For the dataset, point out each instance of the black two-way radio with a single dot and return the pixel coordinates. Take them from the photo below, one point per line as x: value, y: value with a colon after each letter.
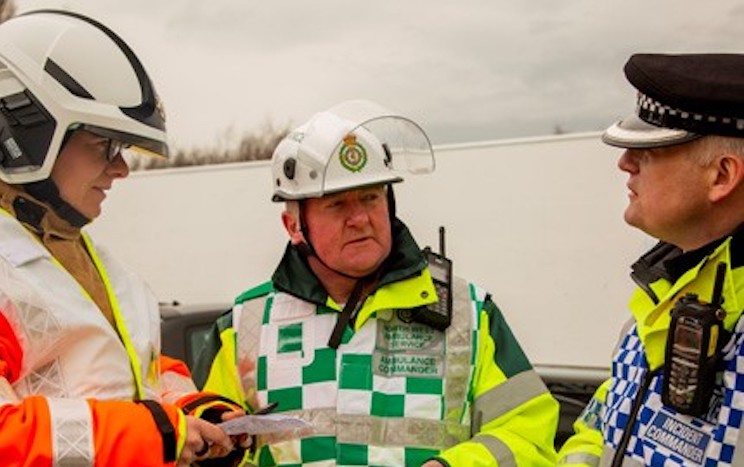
x: 438, y: 315
x: 696, y: 335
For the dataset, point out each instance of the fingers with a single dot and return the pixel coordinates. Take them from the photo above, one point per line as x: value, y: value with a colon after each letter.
x: 203, y: 440
x: 210, y: 450
x: 213, y: 450
x: 232, y: 414
x: 214, y: 436
x: 244, y: 440
x: 203, y: 451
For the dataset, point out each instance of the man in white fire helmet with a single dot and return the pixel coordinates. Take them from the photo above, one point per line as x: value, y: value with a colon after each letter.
x: 390, y: 359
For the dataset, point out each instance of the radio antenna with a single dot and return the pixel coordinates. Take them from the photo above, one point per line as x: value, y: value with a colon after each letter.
x: 441, y: 241
x: 718, y: 285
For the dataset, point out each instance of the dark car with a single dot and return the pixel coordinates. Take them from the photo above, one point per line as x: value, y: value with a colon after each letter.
x: 183, y: 328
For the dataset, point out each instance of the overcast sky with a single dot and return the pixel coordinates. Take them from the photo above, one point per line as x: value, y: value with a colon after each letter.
x: 466, y: 70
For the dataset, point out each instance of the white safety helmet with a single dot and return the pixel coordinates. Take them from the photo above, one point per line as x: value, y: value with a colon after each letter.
x: 61, y: 71
x: 352, y: 145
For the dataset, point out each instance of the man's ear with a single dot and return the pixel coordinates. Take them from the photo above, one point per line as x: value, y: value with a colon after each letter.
x: 292, y: 226
x: 728, y: 175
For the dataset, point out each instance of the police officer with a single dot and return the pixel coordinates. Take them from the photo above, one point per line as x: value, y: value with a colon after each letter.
x: 352, y: 334
x: 674, y: 396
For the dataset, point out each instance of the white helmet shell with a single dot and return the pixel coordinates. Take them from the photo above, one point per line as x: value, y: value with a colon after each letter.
x: 61, y: 71
x: 352, y: 145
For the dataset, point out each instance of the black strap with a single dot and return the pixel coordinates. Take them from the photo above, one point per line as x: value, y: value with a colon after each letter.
x: 167, y: 432
x: 205, y: 399
x: 29, y: 213
x: 343, y: 320
x: 46, y: 191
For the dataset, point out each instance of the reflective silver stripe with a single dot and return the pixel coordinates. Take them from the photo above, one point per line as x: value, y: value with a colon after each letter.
x: 580, y: 458
x: 459, y: 352
x: 512, y: 393
x: 72, y: 433
x: 249, y: 316
x: 399, y: 432
x: 498, y: 449
x: 365, y: 430
x: 174, y: 386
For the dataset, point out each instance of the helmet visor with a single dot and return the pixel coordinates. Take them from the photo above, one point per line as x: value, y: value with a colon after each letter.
x: 407, y: 148
x: 133, y: 144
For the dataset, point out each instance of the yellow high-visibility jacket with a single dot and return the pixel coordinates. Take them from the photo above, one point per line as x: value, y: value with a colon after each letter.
x: 627, y: 418
x: 395, y: 392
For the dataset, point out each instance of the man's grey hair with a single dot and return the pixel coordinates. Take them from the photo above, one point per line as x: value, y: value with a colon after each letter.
x: 292, y: 207
x: 713, y: 145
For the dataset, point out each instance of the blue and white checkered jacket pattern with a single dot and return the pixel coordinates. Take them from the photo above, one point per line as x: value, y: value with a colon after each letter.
x: 663, y: 437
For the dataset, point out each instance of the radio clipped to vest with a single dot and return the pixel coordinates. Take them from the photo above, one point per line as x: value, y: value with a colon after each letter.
x: 696, y: 335
x: 438, y: 315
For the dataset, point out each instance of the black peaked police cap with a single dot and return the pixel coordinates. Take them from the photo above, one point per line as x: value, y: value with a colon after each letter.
x: 681, y: 98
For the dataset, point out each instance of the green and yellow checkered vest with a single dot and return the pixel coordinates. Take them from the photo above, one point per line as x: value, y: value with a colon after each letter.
x: 393, y: 393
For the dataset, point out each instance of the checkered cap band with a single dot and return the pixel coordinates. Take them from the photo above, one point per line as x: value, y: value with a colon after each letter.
x: 656, y: 124
x: 662, y: 115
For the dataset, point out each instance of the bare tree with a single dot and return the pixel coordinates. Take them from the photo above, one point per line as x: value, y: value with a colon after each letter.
x: 250, y: 147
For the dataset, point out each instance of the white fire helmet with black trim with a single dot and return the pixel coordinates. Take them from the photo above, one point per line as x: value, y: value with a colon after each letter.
x: 352, y: 145
x: 61, y: 71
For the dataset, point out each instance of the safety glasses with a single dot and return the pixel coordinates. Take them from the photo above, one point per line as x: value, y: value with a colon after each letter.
x: 110, y: 147
x: 114, y: 147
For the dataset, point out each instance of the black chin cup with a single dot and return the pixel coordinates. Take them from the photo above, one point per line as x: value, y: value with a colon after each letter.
x: 46, y: 191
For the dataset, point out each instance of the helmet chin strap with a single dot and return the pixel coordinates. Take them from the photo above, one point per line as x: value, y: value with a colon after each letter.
x: 47, y: 191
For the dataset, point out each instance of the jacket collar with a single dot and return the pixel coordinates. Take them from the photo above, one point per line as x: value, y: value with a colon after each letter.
x: 666, y: 261
x: 36, y: 216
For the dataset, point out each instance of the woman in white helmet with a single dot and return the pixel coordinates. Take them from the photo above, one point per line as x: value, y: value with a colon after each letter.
x: 82, y: 381
x: 351, y: 333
